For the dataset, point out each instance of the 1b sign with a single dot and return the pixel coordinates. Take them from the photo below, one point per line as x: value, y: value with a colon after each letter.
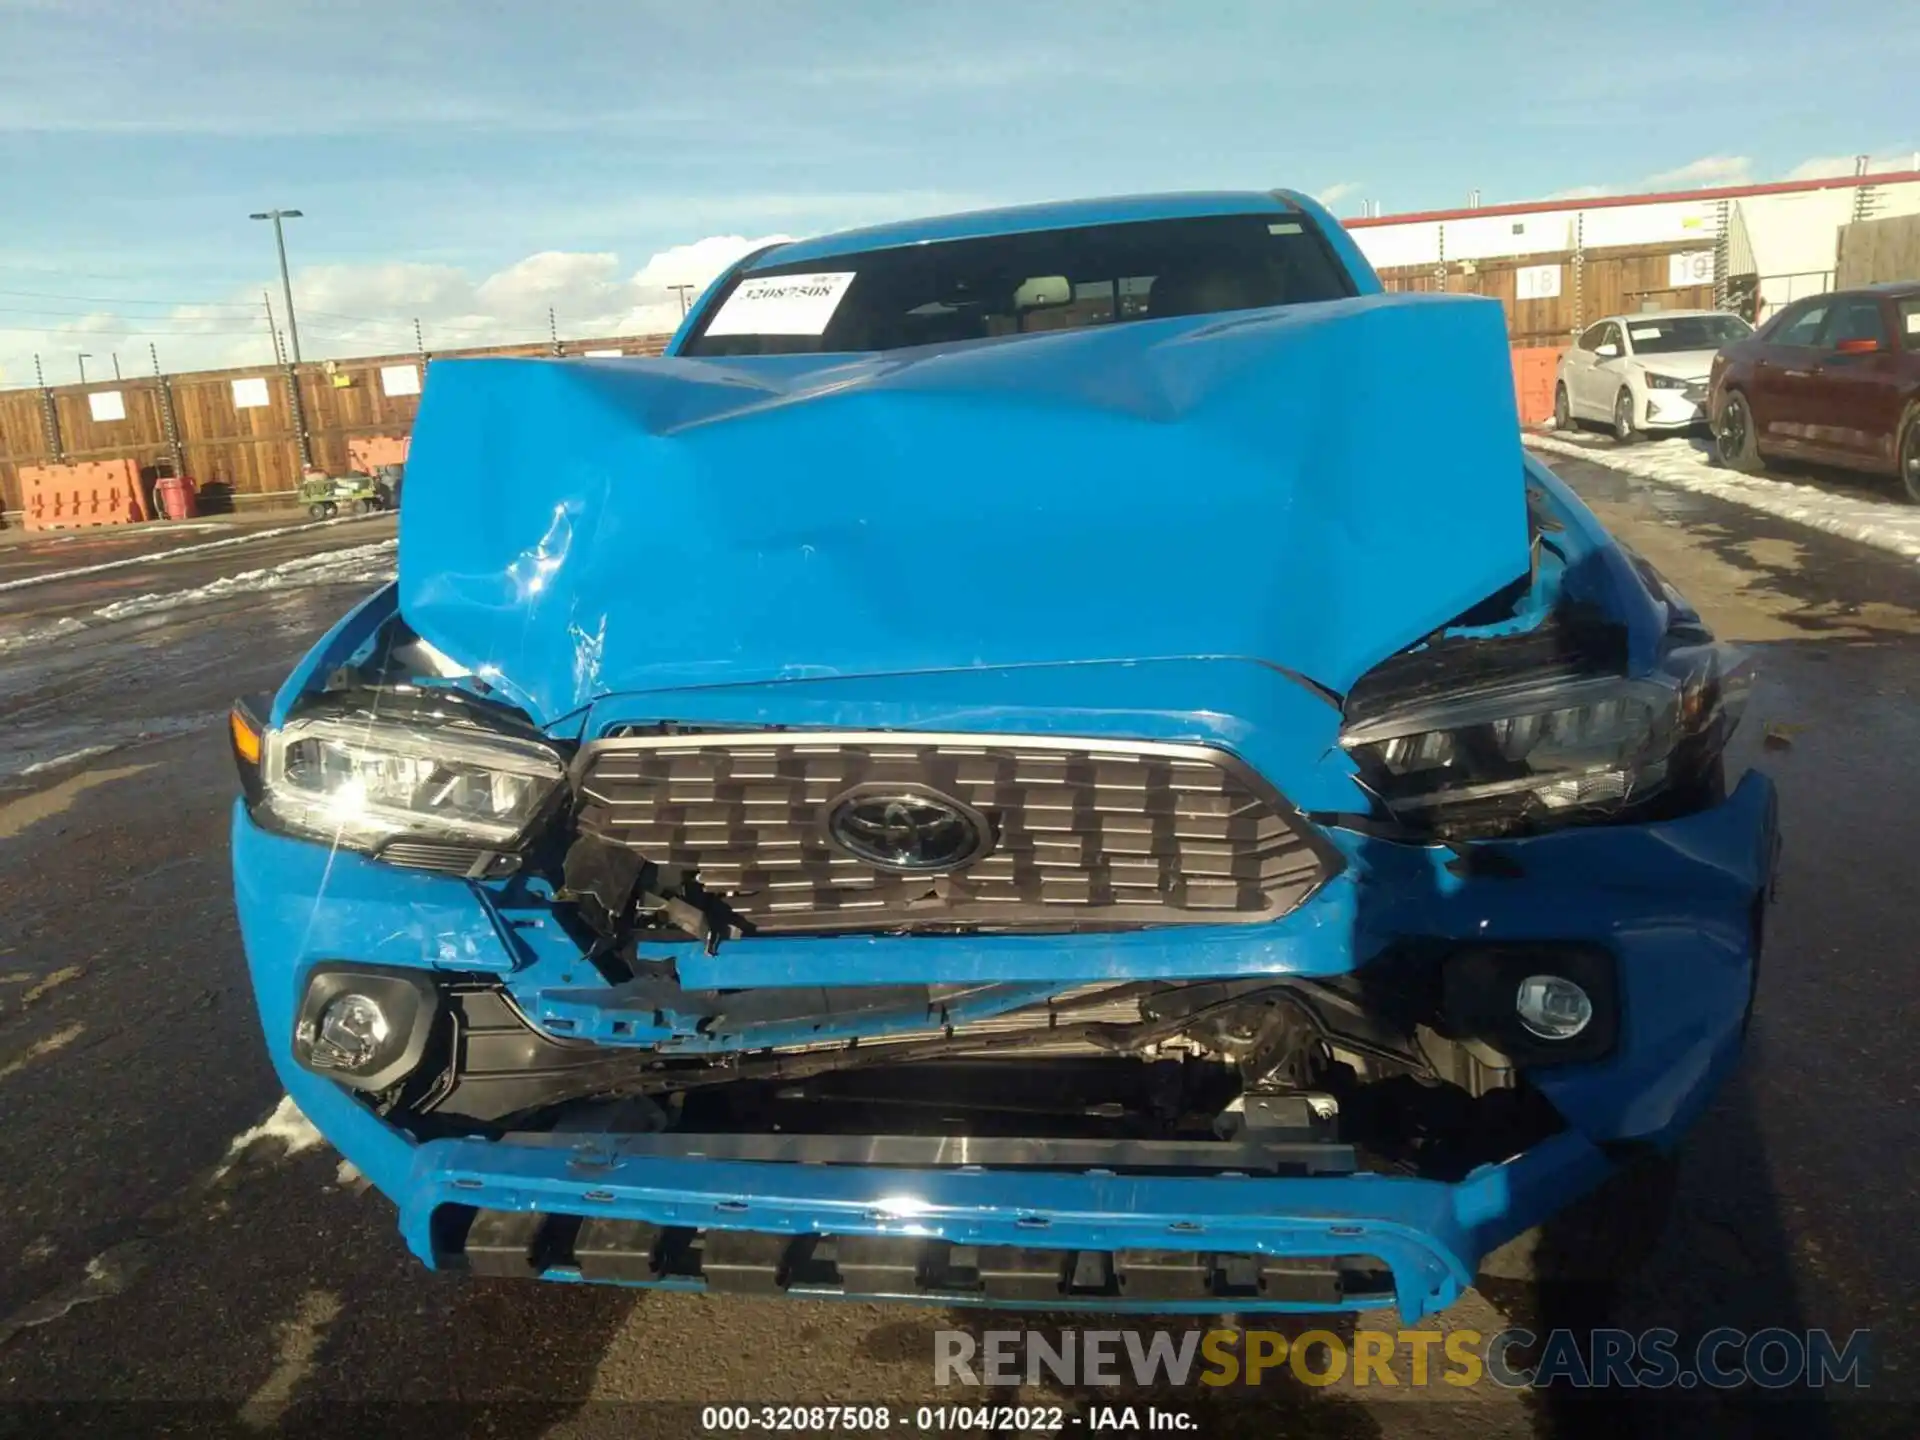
x: 1536, y: 282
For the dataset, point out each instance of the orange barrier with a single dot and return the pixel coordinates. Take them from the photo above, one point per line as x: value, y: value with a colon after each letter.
x: 1533, y: 378
x: 367, y: 453
x: 72, y: 497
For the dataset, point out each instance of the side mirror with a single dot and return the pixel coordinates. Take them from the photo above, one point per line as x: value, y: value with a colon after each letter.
x: 1608, y: 352
x: 1858, y: 347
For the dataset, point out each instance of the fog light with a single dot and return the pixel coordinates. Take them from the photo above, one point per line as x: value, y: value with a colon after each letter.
x: 365, y: 1028
x: 352, y: 1032
x: 1552, y: 1007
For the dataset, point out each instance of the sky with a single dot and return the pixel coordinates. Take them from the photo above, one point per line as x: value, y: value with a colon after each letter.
x: 472, y: 163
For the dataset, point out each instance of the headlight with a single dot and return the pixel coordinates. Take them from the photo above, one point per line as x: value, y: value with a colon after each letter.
x: 1664, y: 382
x: 363, y: 781
x: 1522, y: 755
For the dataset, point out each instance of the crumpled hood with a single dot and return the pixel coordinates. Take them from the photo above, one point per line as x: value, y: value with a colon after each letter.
x: 1315, y: 487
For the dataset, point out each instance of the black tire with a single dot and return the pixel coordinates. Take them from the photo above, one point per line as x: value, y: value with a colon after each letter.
x: 1909, y: 453
x: 1601, y: 1237
x: 317, y: 510
x: 1562, y: 409
x: 1733, y: 437
x: 330, y: 508
x: 1624, y: 431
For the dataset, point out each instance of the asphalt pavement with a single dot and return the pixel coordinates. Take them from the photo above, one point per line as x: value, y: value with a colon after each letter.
x: 176, y: 1254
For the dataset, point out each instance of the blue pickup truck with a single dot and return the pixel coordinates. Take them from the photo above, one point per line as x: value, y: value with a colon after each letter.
x: 994, y: 772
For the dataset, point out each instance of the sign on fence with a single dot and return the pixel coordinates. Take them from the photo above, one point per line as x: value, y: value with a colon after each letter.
x: 250, y: 393
x: 1689, y: 268
x: 107, y: 405
x: 400, y: 379
x: 1536, y: 282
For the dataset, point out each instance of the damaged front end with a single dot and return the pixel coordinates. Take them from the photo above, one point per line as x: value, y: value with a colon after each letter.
x: 1295, y: 968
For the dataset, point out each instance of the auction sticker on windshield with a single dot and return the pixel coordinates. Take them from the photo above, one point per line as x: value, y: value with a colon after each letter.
x: 782, y: 305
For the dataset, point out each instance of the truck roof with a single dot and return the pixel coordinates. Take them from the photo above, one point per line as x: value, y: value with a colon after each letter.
x: 1017, y: 219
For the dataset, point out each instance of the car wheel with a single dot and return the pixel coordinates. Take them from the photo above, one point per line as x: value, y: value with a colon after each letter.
x: 317, y: 510
x: 330, y: 509
x: 1733, y: 438
x: 1562, y: 409
x: 1602, y: 1236
x: 1910, y: 456
x: 1623, y: 427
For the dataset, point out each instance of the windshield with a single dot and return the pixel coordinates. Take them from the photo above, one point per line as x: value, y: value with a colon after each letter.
x: 1666, y: 335
x: 1023, y: 284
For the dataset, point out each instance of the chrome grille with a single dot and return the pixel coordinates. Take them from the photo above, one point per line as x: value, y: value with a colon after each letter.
x: 1086, y: 834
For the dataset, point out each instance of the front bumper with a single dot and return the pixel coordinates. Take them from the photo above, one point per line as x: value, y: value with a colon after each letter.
x: 1675, y: 409
x: 1678, y: 904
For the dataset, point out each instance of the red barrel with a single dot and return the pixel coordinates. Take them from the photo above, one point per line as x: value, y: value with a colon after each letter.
x: 174, y: 496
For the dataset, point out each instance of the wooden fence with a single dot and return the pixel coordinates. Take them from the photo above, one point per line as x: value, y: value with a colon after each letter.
x: 244, y: 434
x: 1872, y: 251
x: 1581, y: 288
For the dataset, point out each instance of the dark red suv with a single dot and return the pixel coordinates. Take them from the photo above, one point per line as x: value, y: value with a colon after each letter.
x: 1832, y: 378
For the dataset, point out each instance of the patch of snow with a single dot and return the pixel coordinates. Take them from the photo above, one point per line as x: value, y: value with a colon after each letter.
x: 334, y: 567
x: 360, y: 564
x: 151, y: 556
x: 65, y: 625
x: 286, y: 1124
x: 1891, y: 527
x: 72, y: 757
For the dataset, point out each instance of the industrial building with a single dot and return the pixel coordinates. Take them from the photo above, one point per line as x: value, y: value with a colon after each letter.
x: 1753, y: 247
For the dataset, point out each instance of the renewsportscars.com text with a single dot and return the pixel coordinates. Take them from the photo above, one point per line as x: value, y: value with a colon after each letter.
x: 1514, y: 1359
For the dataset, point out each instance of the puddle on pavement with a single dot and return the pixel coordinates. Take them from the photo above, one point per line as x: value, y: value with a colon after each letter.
x: 33, y: 755
x: 21, y: 815
x: 1737, y: 585
x: 1773, y: 554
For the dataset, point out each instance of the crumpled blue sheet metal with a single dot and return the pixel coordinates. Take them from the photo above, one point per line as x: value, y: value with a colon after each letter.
x: 1314, y: 487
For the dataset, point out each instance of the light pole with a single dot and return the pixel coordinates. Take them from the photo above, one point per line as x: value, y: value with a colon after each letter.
x: 83, y: 356
x: 286, y: 285
x: 681, y: 291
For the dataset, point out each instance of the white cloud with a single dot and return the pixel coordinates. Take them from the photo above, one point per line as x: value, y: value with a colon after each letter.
x: 579, y: 283
x: 1336, y: 192
x: 1822, y: 166
x: 1581, y: 192
x: 697, y: 263
x: 1708, y: 170
x: 346, y: 310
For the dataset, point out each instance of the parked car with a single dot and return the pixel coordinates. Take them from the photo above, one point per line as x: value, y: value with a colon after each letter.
x: 1643, y: 373
x: 988, y: 774
x: 1832, y: 378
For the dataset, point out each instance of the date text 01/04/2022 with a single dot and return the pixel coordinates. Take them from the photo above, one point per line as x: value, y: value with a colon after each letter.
x: 1022, y: 1419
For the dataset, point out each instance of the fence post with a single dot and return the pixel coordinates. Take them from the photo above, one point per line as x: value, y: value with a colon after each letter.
x: 1579, y: 270
x: 1722, y: 254
x: 301, y: 440
x: 169, y: 422
x: 49, y: 416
